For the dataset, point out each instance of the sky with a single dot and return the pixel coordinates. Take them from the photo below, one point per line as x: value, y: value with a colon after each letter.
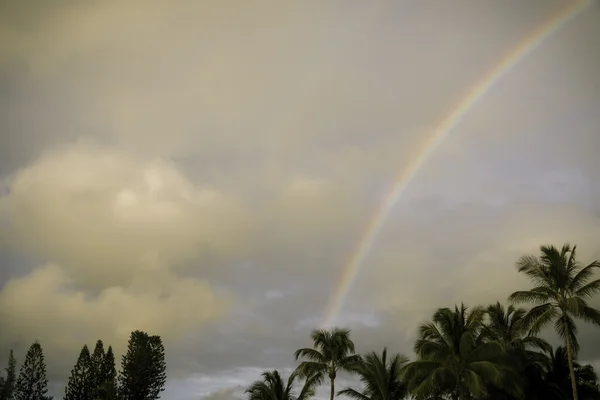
x: 204, y: 171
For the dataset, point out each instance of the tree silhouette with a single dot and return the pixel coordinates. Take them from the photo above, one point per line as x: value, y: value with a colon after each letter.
x: 143, y: 368
x: 96, y: 360
x: 32, y: 383
x: 560, y: 293
x: 505, y: 326
x: 332, y: 351
x: 80, y: 385
x: 8, y: 384
x: 272, y: 387
x: 107, y: 373
x: 453, y: 357
x: 585, y: 376
x: 381, y: 378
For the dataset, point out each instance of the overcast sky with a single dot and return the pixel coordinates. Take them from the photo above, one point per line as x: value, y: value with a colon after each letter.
x: 203, y: 170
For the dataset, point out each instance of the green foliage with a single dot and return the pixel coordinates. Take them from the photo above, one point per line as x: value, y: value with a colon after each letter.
x: 96, y: 360
x: 505, y: 326
x: 454, y: 357
x: 107, y: 372
x: 143, y: 368
x: 8, y: 383
x: 381, y: 378
x: 332, y: 351
x: 108, y: 391
x: 560, y: 293
x: 272, y: 387
x: 103, y: 373
x: 559, y: 374
x: 81, y: 384
x: 32, y: 383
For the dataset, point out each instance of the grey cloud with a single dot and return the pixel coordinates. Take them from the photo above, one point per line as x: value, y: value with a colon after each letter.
x: 225, y: 394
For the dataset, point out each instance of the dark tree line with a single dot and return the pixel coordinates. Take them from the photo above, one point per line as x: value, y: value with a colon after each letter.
x: 469, y: 353
x: 94, y: 376
x: 8, y: 382
x: 489, y: 352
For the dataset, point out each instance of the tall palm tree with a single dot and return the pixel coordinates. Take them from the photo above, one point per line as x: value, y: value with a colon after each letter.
x: 272, y: 387
x: 453, y: 358
x: 332, y: 351
x: 560, y: 293
x: 380, y: 377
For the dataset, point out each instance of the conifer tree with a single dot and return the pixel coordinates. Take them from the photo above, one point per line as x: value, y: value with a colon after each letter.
x: 32, y: 383
x: 8, y: 386
x: 108, y: 391
x: 108, y: 372
x: 79, y: 386
x: 97, y: 359
x: 143, y: 368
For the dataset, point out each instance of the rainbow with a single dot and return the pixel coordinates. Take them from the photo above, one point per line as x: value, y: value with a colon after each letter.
x: 349, y: 273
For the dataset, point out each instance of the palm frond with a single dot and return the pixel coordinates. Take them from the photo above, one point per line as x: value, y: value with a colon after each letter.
x: 528, y: 296
x: 474, y: 318
x: 534, y: 342
x: 534, y: 269
x: 310, y: 384
x: 539, y: 317
x: 490, y: 351
x: 353, y: 394
x: 588, y: 290
x: 347, y: 363
x: 583, y: 275
x: 309, y: 368
x: 310, y: 354
x: 589, y: 314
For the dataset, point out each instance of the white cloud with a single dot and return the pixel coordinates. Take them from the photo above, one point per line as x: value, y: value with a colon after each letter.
x: 106, y: 216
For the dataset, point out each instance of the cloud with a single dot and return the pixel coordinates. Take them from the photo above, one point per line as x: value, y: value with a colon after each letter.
x: 106, y: 217
x: 115, y: 230
x: 476, y: 266
x: 43, y: 306
x: 225, y: 394
x: 237, y: 83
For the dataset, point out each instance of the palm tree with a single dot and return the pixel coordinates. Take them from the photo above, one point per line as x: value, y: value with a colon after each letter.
x: 559, y: 373
x: 332, y: 351
x: 272, y: 387
x: 453, y: 358
x: 505, y: 326
x: 380, y: 377
x: 561, y: 288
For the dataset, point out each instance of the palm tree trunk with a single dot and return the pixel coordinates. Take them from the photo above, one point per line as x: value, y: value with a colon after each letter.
x: 570, y: 360
x: 332, y: 390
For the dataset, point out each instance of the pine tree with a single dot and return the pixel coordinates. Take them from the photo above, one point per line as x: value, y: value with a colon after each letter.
x: 108, y: 372
x: 79, y: 385
x: 96, y: 362
x: 32, y: 383
x: 8, y: 386
x: 143, y: 368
